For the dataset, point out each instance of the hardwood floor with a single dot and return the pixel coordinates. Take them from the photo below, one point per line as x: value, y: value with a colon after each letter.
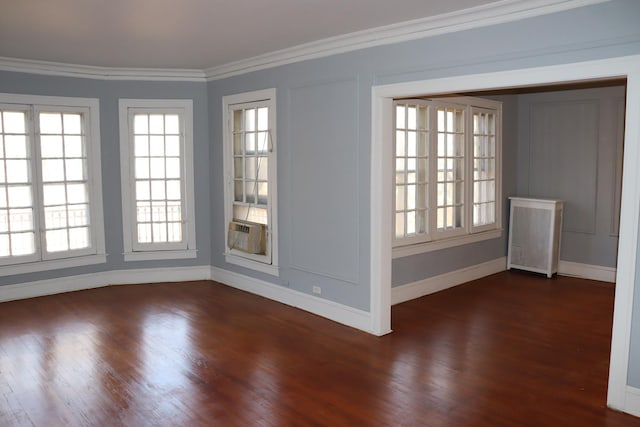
x: 511, y: 349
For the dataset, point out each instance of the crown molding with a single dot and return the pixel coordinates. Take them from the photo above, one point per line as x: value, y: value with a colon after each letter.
x: 481, y: 16
x: 99, y: 73
x: 499, y: 12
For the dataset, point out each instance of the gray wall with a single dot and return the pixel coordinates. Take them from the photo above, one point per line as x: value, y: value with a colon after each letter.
x: 570, y: 148
x: 108, y: 93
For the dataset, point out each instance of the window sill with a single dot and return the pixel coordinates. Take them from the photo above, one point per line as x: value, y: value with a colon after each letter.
x: 251, y: 264
x: 159, y: 255
x: 36, y: 266
x: 404, y: 251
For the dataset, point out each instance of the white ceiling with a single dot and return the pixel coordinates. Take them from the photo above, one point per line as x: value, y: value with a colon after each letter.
x: 190, y: 34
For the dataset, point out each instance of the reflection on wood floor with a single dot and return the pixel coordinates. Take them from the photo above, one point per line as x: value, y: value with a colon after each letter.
x: 511, y: 349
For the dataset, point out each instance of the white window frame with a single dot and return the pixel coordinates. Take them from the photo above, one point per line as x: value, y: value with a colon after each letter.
x: 264, y: 263
x: 134, y: 251
x: 43, y: 260
x: 433, y: 239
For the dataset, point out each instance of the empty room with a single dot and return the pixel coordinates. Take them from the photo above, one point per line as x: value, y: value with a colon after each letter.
x: 327, y: 212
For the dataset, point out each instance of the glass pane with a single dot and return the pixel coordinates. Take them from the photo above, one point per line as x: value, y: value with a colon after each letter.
x: 411, y: 197
x: 250, y: 168
x: 142, y: 168
x: 55, y: 217
x: 142, y: 190
x: 14, y: 122
x: 17, y: 171
x: 158, y: 190
x: 21, y: 219
x: 57, y: 240
x: 412, y: 118
x: 411, y: 223
x: 400, y: 206
x: 172, y: 145
x: 237, y: 144
x: 156, y: 145
x: 157, y: 168
x: 15, y: 147
x: 158, y: 211
x: 156, y: 124
x: 141, y: 146
x: 23, y: 243
x: 173, y: 190
x: 250, y: 120
x: 51, y: 146
x: 19, y: 196
x: 263, y: 193
x: 77, y: 193
x: 263, y: 168
x: 263, y: 142
x: 250, y: 143
x: 51, y: 123
x: 78, y: 215
x: 79, y: 238
x: 2, y: 174
x: 159, y: 232
x: 143, y: 211
x: 73, y: 146
x: 174, y: 211
x: 237, y: 120
x: 4, y: 220
x: 250, y: 191
x: 75, y: 169
x: 72, y: 123
x: 238, y: 193
x: 400, y: 225
x: 144, y: 233
x: 400, y: 118
x: 173, y: 167
x: 263, y: 118
x: 140, y: 124
x: 400, y: 143
x: 53, y: 170
x: 5, y: 250
x: 412, y: 144
x: 172, y: 124
x: 174, y: 230
x: 54, y: 194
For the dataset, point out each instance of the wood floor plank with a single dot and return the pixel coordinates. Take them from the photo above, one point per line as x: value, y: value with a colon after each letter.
x: 512, y: 349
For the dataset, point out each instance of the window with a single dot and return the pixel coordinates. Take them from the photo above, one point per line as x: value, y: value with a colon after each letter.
x: 447, y: 181
x: 50, y: 183
x: 156, y: 154
x: 250, y: 174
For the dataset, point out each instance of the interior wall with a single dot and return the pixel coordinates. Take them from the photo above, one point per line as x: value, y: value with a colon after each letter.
x: 570, y: 148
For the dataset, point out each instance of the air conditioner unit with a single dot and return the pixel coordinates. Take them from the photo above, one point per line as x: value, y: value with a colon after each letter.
x: 247, y: 237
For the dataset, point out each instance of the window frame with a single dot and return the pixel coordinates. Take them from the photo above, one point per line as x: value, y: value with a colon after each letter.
x: 267, y: 97
x: 434, y: 239
x: 133, y: 250
x: 42, y: 260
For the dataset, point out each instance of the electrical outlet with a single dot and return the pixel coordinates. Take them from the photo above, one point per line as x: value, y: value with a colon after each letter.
x: 317, y: 290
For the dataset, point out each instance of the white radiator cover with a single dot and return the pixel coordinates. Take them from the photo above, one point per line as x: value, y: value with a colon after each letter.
x: 535, y: 229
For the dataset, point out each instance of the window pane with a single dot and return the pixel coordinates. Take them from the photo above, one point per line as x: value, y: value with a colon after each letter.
x: 159, y: 232
x: 55, y: 217
x: 79, y: 238
x: 17, y: 171
x: 21, y: 219
x: 263, y: 118
x: 250, y: 120
x: 50, y: 123
x: 54, y: 194
x: 142, y: 190
x: 74, y: 169
x: 19, y: 196
x: 15, y: 146
x: 142, y: 168
x: 51, y: 146
x: 174, y: 211
x: 78, y: 215
x: 22, y: 244
x: 172, y: 124
x: 72, y: 124
x: 174, y: 230
x: 157, y: 168
x: 73, y: 146
x: 156, y: 124
x: 400, y: 117
x: 141, y: 144
x: 144, y: 233
x: 173, y: 190
x: 172, y: 146
x: 14, y: 122
x: 157, y: 190
x: 158, y: 211
x: 143, y: 211
x: 52, y: 170
x: 173, y: 167
x: 156, y: 145
x: 141, y: 124
x: 57, y: 240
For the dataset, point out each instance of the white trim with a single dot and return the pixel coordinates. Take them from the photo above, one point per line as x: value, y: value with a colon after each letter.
x: 436, y: 245
x: 53, y: 264
x: 101, y: 279
x: 448, y: 280
x: 498, y: 12
x: 481, y: 16
x: 242, y: 261
x: 100, y: 73
x: 380, y: 262
x: 340, y: 313
x: 587, y: 271
x: 132, y: 250
x: 266, y: 97
x: 632, y: 401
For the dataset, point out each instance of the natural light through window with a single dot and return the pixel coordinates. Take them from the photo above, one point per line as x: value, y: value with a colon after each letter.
x: 446, y: 170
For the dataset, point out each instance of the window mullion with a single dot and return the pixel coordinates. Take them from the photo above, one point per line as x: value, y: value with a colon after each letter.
x: 469, y: 171
x: 37, y: 188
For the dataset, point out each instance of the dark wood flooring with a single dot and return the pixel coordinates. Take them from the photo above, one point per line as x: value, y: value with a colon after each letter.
x: 511, y: 349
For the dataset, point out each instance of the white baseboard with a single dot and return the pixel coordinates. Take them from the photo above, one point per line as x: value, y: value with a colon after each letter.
x: 587, y: 271
x: 447, y: 280
x: 331, y: 310
x: 632, y: 401
x: 97, y: 280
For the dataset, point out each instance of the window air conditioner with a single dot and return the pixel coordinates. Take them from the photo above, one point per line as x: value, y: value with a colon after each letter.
x: 247, y: 237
